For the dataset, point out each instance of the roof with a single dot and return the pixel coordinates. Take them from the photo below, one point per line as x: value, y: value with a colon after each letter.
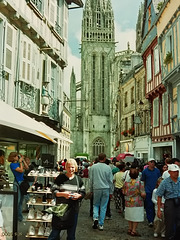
x: 78, y: 2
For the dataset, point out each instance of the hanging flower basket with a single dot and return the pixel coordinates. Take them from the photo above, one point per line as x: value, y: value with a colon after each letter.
x: 125, y: 133
x: 131, y: 131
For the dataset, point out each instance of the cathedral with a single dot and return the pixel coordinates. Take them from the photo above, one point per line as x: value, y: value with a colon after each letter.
x: 91, y: 98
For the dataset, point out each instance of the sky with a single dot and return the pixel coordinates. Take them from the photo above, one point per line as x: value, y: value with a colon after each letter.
x: 125, y: 18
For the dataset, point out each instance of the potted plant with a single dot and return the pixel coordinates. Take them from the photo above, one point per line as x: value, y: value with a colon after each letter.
x: 125, y: 133
x: 168, y: 58
x: 131, y: 131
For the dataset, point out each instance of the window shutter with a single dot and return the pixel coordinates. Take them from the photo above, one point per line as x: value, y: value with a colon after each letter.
x: 148, y: 68
x: 156, y: 112
x: 9, y: 45
x: 156, y: 60
x: 178, y: 100
x: 26, y: 60
x: 165, y: 108
x: 52, y: 12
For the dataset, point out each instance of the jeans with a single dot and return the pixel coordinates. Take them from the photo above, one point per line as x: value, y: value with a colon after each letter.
x: 149, y: 206
x: 16, y: 188
x: 70, y: 231
x: 100, y: 200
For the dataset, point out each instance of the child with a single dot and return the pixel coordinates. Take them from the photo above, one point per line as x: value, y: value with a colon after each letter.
x: 159, y: 227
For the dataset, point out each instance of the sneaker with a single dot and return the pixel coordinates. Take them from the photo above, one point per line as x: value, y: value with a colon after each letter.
x: 33, y: 201
x: 31, y: 214
x: 95, y: 224
x: 155, y: 235
x: 39, y: 215
x: 108, y: 218
x: 150, y: 224
x: 47, y: 232
x: 162, y: 235
x: 31, y: 230
x: 100, y: 227
x: 53, y: 202
x: 41, y: 231
x: 47, y: 217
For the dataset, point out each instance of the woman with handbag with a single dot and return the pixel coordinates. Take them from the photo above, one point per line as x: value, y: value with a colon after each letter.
x: 134, y: 204
x: 68, y: 188
x: 18, y: 172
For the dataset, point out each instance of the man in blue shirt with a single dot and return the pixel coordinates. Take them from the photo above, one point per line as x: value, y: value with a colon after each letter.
x: 150, y: 176
x: 101, y: 184
x: 170, y: 190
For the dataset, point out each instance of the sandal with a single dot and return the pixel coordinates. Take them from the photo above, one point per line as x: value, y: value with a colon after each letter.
x: 129, y: 231
x: 135, y: 234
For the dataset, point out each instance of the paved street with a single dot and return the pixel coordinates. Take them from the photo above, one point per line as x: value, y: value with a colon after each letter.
x: 114, y: 229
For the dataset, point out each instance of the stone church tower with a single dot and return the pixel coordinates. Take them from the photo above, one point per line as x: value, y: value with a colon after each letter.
x: 93, y: 123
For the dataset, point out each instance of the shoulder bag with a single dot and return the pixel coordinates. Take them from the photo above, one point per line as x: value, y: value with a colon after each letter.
x: 65, y: 219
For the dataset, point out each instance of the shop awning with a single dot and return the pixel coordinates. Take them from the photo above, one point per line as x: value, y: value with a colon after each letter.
x: 11, y: 117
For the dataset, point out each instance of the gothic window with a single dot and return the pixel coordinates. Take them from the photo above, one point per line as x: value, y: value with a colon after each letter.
x: 93, y: 81
x: 98, y: 20
x: 98, y: 147
x: 103, y: 81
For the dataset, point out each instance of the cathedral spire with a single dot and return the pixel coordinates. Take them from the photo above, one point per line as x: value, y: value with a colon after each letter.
x: 98, y: 21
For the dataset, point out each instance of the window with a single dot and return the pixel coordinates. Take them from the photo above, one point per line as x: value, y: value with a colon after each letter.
x: 165, y: 109
x: 156, y: 112
x: 98, y: 147
x: 53, y: 80
x: 149, y: 17
x: 169, y: 42
x: 9, y: 46
x: 132, y: 95
x: 148, y: 69
x: 178, y: 101
x: 26, y: 60
x: 93, y: 81
x: 103, y: 82
x: 126, y: 123
x: 156, y: 60
x: 125, y: 100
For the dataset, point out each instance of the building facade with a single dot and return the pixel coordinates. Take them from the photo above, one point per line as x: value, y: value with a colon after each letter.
x: 33, y: 55
x: 168, y: 31
x: 161, y: 137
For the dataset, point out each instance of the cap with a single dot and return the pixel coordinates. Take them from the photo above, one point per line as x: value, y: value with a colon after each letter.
x: 173, y: 167
x: 151, y: 159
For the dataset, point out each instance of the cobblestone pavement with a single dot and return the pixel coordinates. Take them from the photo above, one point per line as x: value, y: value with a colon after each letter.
x: 115, y: 229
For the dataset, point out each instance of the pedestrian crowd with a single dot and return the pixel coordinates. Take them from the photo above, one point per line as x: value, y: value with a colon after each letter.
x: 135, y: 190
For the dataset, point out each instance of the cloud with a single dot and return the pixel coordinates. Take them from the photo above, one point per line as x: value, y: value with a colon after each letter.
x: 123, y: 37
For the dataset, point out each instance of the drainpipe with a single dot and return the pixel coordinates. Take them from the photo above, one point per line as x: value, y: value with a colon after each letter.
x: 17, y: 83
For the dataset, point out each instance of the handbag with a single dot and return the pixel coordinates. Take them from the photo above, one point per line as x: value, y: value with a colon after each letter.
x: 24, y: 186
x: 66, y: 218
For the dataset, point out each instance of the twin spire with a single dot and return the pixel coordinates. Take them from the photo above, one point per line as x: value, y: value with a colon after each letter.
x: 98, y: 21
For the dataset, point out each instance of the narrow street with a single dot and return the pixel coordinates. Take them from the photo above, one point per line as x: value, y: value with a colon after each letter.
x: 115, y: 229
